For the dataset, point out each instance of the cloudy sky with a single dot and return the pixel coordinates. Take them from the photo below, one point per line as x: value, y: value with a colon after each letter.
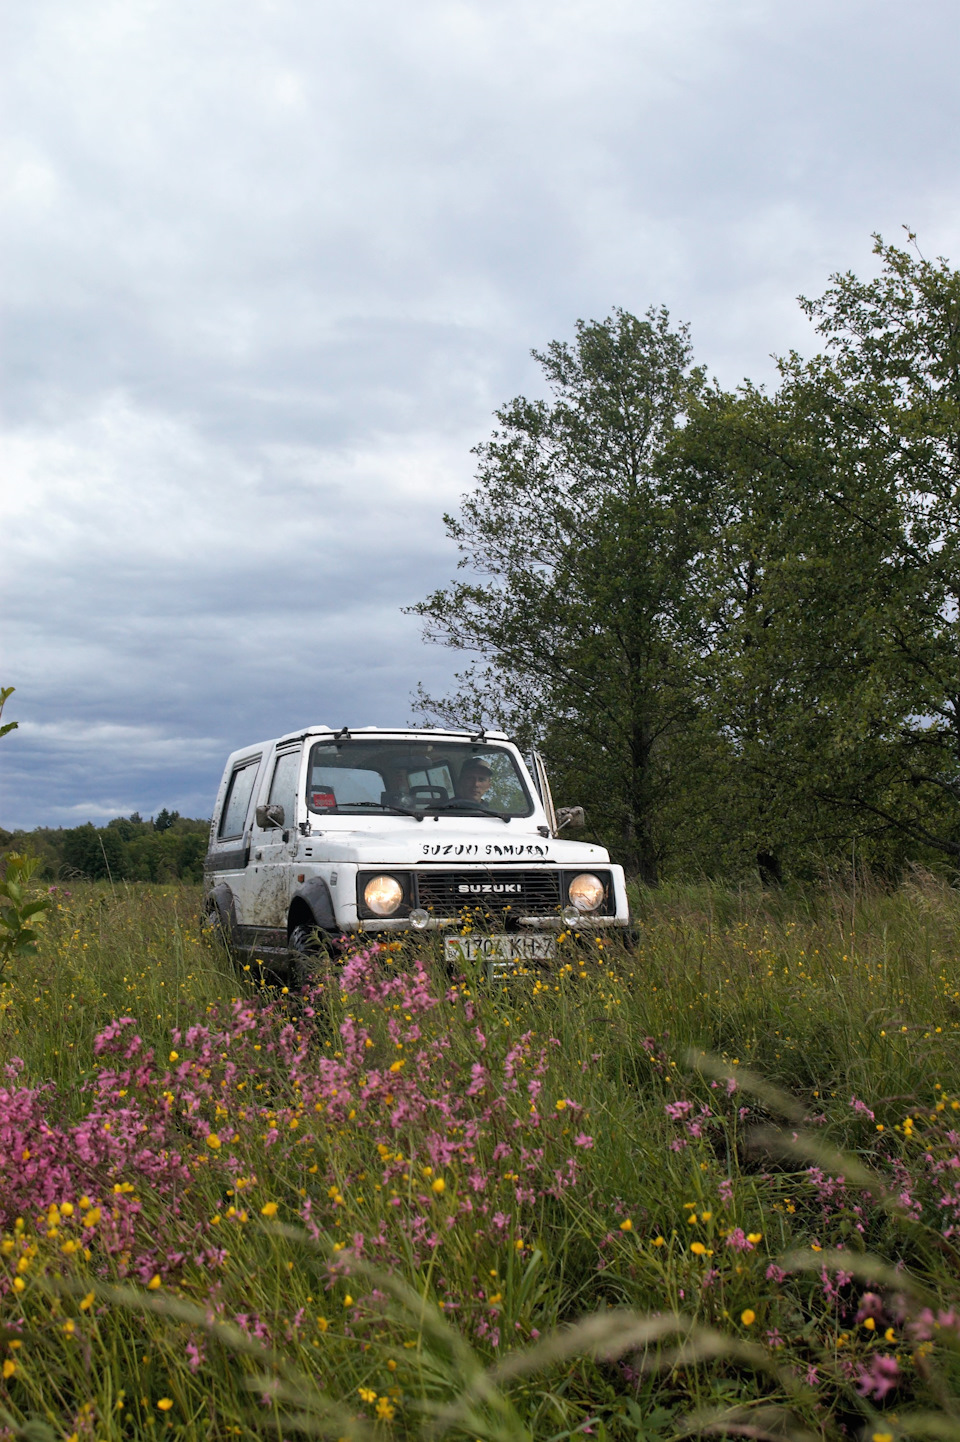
x: 269, y: 267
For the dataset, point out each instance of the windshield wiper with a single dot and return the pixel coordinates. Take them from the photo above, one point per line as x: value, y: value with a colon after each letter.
x: 467, y: 808
x: 349, y: 806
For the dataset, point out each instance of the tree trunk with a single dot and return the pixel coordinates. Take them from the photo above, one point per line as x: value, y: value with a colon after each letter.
x: 771, y: 872
x: 644, y: 847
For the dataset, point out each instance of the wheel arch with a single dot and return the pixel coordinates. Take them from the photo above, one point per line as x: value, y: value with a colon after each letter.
x: 312, y: 906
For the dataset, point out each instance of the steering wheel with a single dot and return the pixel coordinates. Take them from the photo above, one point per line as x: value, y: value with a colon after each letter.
x: 429, y: 793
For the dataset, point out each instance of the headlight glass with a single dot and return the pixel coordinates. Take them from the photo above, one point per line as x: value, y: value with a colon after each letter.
x: 586, y: 891
x: 383, y: 895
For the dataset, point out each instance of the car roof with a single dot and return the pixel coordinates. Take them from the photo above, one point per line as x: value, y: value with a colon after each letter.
x: 398, y: 731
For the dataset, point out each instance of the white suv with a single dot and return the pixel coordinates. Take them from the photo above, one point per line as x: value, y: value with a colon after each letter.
x: 383, y: 831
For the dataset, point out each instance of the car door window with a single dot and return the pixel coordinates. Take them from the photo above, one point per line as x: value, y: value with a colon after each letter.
x: 238, y: 799
x: 283, y: 787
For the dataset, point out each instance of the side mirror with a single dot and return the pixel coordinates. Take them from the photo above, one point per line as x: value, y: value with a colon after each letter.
x: 270, y: 818
x: 571, y: 816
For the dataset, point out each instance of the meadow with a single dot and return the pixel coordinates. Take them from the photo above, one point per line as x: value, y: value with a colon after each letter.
x: 706, y: 1185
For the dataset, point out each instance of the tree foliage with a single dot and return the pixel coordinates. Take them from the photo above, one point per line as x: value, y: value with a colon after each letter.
x: 731, y: 620
x: 579, y: 608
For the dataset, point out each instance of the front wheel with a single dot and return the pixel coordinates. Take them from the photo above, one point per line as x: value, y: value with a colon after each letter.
x: 303, y: 940
x: 311, y: 953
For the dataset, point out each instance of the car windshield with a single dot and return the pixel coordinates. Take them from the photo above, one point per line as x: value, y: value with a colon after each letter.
x: 353, y: 776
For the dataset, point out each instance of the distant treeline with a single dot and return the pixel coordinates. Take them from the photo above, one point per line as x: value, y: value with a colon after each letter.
x: 169, y: 847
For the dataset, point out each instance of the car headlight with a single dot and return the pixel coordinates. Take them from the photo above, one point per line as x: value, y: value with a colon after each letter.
x: 586, y: 891
x: 383, y: 895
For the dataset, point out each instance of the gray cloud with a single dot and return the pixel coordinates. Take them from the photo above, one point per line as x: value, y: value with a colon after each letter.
x: 269, y: 270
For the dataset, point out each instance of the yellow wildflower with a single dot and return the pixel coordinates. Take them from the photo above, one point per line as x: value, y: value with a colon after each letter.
x: 154, y: 1282
x: 748, y: 1316
x: 626, y: 1226
x: 213, y: 1142
x: 438, y: 1185
x: 165, y: 1404
x: 269, y: 1209
x: 87, y: 1302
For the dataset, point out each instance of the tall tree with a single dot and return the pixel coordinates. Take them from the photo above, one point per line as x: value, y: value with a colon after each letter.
x: 579, y: 613
x: 781, y: 585
x: 732, y: 621
x: 889, y: 391
x: 830, y: 577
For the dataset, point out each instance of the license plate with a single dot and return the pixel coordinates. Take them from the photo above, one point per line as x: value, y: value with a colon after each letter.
x: 501, y: 952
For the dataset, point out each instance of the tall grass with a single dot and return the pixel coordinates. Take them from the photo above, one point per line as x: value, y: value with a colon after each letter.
x: 377, y: 1204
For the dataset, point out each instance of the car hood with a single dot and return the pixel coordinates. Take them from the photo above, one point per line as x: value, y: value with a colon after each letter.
x: 465, y: 845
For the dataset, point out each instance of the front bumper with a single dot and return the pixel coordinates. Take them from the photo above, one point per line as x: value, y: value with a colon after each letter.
x: 528, y: 923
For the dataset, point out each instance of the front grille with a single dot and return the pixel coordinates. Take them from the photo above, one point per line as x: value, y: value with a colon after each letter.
x: 524, y: 893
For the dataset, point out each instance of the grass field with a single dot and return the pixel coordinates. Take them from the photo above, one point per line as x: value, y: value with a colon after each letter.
x: 379, y: 1207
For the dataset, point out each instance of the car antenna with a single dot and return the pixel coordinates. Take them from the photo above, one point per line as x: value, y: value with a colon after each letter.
x: 480, y: 736
x: 343, y: 734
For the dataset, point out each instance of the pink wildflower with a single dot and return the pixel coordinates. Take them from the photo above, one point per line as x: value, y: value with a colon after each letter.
x: 871, y: 1305
x: 879, y: 1378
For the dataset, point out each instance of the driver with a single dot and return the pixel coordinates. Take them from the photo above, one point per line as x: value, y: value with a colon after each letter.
x: 474, y: 780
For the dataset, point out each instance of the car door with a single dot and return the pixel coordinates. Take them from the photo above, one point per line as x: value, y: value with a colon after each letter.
x: 275, y: 843
x: 543, y: 786
x: 229, y: 854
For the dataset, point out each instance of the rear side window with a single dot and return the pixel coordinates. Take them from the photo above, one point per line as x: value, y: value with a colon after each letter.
x: 283, y: 787
x: 238, y: 798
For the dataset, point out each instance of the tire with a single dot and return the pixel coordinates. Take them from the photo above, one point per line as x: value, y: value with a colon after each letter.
x: 302, y: 940
x: 308, y: 955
